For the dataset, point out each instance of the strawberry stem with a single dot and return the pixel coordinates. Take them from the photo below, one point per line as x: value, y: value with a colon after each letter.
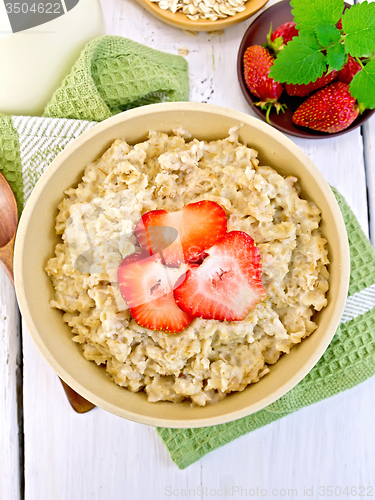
x: 268, y: 114
x: 359, y: 61
x: 268, y: 105
x: 274, y: 46
x: 269, y: 34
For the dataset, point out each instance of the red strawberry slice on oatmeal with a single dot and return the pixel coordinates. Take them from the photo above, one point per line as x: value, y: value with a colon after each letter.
x: 228, y: 284
x: 184, y: 235
x: 147, y: 287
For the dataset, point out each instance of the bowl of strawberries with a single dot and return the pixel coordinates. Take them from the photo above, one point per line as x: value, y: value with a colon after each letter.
x: 306, y: 75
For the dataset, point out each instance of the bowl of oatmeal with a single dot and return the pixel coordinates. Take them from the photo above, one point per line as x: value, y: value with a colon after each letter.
x: 79, y: 225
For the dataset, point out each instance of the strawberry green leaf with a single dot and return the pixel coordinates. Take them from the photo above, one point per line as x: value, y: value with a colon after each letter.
x: 327, y: 34
x: 336, y: 56
x: 358, y: 23
x: 362, y: 87
x: 300, y: 61
x: 309, y: 13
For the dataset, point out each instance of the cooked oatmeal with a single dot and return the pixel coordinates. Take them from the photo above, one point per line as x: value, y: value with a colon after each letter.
x: 209, y: 359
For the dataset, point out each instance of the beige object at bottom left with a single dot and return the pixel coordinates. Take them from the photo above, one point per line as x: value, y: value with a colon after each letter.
x: 35, y: 291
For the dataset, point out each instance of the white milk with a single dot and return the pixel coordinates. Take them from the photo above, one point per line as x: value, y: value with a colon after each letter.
x: 34, y: 62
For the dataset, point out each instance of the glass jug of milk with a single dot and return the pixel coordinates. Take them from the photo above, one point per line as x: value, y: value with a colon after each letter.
x: 39, y: 42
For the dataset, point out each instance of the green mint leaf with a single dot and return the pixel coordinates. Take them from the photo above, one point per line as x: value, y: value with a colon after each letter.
x: 300, y: 61
x: 327, y: 34
x: 309, y: 13
x: 362, y: 87
x: 336, y: 56
x: 358, y: 23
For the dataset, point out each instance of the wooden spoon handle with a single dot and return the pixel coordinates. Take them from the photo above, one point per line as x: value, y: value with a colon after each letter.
x: 77, y: 402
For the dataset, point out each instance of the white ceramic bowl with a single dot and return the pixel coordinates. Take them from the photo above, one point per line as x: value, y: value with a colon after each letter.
x: 36, y: 239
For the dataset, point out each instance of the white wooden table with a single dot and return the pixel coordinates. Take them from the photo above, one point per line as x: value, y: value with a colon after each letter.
x: 51, y: 453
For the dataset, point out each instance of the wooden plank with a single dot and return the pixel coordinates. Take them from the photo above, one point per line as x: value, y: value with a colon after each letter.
x: 9, y: 376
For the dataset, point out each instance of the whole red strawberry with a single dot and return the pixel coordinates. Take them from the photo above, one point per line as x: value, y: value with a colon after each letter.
x: 350, y: 69
x: 276, y: 40
x: 331, y: 109
x: 286, y: 31
x: 257, y: 62
x: 306, y: 89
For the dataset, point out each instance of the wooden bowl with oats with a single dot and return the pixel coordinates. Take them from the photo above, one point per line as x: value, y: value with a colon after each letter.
x: 182, y: 21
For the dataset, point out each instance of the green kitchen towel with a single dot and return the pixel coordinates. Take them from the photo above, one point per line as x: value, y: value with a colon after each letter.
x: 114, y: 74
x: 349, y: 359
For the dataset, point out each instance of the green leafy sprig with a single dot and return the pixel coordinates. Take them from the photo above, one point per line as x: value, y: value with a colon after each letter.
x: 321, y: 46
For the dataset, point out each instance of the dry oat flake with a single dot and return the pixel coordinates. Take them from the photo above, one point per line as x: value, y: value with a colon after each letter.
x: 203, y: 9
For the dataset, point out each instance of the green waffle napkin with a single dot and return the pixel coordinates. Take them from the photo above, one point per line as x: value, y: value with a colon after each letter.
x: 114, y: 74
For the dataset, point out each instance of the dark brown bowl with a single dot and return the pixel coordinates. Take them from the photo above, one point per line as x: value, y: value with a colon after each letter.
x: 256, y: 34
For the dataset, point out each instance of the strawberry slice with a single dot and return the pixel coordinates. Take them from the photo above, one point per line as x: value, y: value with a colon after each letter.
x: 147, y: 286
x: 184, y: 235
x: 228, y: 284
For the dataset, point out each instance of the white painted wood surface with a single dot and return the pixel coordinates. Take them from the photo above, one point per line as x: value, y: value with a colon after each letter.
x: 10, y: 355
x: 99, y: 456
